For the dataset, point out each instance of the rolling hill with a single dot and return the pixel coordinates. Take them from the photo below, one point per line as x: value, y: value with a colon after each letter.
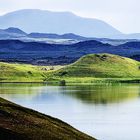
x: 102, y: 66
x: 17, y: 72
x: 88, y: 69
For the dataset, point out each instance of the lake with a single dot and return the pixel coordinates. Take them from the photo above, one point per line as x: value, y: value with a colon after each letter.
x: 107, y: 112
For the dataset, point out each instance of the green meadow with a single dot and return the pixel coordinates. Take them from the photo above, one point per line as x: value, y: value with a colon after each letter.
x: 89, y: 69
x: 24, y: 73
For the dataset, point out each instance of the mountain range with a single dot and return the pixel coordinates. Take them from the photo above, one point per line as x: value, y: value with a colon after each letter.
x: 43, y: 21
x: 34, y: 20
x: 69, y: 38
x: 13, y: 32
x: 57, y: 54
x: 44, y: 37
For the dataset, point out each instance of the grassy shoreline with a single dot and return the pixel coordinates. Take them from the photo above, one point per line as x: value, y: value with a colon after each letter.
x: 81, y: 81
x: 92, y: 81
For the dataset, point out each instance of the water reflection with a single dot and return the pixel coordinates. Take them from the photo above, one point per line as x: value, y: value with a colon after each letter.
x: 100, y: 111
x: 97, y: 94
x: 21, y: 90
x: 103, y: 94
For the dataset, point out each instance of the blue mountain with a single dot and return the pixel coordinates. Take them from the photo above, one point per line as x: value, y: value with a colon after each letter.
x: 33, y: 20
x: 44, y: 53
x: 13, y: 30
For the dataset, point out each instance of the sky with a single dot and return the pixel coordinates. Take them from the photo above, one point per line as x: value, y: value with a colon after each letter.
x: 121, y: 14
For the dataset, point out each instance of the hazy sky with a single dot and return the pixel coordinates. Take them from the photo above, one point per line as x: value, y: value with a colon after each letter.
x: 122, y: 14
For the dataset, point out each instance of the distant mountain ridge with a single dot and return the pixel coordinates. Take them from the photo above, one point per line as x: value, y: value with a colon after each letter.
x: 43, y: 21
x: 56, y: 36
x: 56, y: 54
x: 33, y: 20
x: 16, y: 33
x: 11, y: 32
x: 69, y: 38
x: 15, y: 30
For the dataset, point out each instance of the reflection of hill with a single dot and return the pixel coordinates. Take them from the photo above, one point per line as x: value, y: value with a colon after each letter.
x: 104, y: 94
x: 97, y: 94
x: 21, y: 90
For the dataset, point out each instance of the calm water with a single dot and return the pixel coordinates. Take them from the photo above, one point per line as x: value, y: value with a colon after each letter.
x: 105, y: 112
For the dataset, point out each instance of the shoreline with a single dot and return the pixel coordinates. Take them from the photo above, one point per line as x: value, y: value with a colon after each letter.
x: 27, y: 124
x: 79, y: 81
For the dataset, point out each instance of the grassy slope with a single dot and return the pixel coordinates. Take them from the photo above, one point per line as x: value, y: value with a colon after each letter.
x: 100, y: 67
x: 17, y: 122
x: 23, y: 72
x: 88, y: 69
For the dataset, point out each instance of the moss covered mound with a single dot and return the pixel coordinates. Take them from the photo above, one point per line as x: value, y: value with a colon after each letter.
x: 102, y: 66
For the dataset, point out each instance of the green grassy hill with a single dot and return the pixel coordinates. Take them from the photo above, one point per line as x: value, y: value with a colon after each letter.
x: 102, y: 66
x: 98, y: 68
x: 19, y: 123
x: 15, y: 72
x: 88, y: 69
x: 24, y: 73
